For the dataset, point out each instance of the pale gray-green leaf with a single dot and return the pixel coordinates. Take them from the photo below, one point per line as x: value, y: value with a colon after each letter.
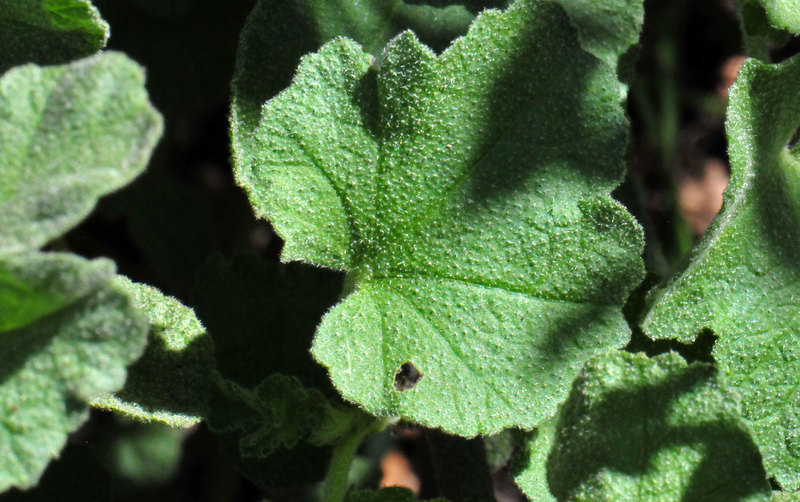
x: 68, y: 135
x: 52, y: 364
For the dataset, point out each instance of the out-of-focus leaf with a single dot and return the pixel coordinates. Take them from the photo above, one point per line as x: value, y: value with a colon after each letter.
x: 54, y: 363
x: 68, y: 135
x: 262, y: 317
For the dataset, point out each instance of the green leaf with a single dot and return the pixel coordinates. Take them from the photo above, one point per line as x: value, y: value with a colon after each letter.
x: 390, y: 494
x: 56, y: 361
x: 300, y: 27
x: 49, y: 31
x: 142, y: 455
x: 785, y: 497
x: 262, y: 317
x: 170, y: 381
x: 529, y: 466
x: 635, y: 428
x: 68, y: 135
x: 743, y: 281
x: 278, y: 434
x: 468, y: 197
x: 606, y: 28
x: 783, y: 14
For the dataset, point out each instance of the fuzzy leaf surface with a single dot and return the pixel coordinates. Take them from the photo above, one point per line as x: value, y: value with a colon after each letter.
x: 56, y: 361
x: 635, y: 429
x: 467, y: 195
x: 743, y: 282
x: 784, y: 14
x: 300, y: 27
x: 169, y: 382
x: 68, y: 135
x: 49, y: 31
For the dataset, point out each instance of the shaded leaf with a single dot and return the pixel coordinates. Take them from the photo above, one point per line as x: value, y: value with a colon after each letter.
x: 49, y: 31
x: 635, y: 428
x: 467, y: 196
x: 170, y: 381
x: 262, y: 317
x: 68, y: 135
x: 743, y: 281
x: 278, y: 434
x: 56, y: 362
x: 783, y: 14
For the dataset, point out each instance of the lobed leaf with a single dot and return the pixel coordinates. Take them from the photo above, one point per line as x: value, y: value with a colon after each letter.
x: 300, y: 27
x: 467, y: 195
x: 49, y: 31
x: 635, y: 428
x: 69, y: 134
x: 743, y: 281
x: 169, y: 383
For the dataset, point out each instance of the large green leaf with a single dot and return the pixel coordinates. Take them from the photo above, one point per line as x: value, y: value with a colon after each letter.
x: 744, y: 279
x: 467, y: 195
x: 635, y: 429
x: 59, y: 359
x: 49, y: 31
x: 170, y: 381
x: 68, y: 134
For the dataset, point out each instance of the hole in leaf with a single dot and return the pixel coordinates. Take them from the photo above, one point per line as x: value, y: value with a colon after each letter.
x: 407, y: 377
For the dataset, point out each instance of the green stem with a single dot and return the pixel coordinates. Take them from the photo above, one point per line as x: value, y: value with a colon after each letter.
x: 336, y: 482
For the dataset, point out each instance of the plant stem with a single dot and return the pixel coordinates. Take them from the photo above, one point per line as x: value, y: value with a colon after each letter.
x: 336, y: 481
